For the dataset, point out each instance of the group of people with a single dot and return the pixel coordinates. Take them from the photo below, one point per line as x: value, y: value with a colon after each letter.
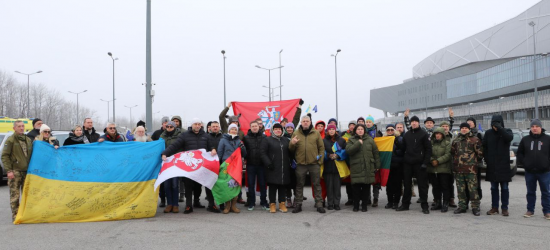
x: 280, y: 161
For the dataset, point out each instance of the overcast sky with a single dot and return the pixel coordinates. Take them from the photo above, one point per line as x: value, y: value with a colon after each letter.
x: 380, y: 41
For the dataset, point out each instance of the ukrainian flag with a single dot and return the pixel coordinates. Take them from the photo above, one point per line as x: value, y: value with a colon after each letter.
x: 385, y: 149
x: 91, y: 182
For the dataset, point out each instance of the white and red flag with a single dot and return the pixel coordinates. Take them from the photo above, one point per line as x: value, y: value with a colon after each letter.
x: 197, y: 165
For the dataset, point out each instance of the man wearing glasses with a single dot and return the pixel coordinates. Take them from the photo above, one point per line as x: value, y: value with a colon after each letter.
x: 111, y: 134
x: 16, y: 157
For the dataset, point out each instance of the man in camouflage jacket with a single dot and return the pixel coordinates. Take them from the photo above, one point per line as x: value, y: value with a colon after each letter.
x: 466, y: 151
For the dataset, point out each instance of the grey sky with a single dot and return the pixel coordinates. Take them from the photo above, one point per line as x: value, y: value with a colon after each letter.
x: 380, y: 40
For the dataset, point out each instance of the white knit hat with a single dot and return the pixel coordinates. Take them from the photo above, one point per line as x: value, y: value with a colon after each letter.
x: 233, y: 125
x: 196, y: 120
x: 44, y: 127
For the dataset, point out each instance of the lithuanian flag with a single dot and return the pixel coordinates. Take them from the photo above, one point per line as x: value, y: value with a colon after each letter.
x: 229, y: 182
x: 385, y: 147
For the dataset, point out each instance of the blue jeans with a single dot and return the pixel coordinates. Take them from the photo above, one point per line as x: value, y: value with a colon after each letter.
x: 544, y: 183
x: 504, y: 194
x: 171, y: 187
x: 253, y: 172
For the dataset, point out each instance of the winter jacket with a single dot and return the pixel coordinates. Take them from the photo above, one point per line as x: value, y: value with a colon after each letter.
x: 310, y: 148
x: 373, y: 132
x: 92, y: 137
x: 224, y: 125
x: 496, y: 151
x: 441, y: 152
x: 364, y: 159
x: 179, y: 119
x: 215, y: 139
x: 253, y: 142
x: 116, y: 138
x: 534, y: 153
x: 170, y: 138
x: 275, y: 156
x: 33, y: 134
x: 51, y: 140
x: 156, y: 135
x: 330, y: 164
x: 322, y: 133
x: 13, y: 157
x: 397, y: 154
x: 189, y: 141
x: 417, y: 147
x: 348, y: 134
x: 74, y: 140
x: 467, y: 152
x: 228, y: 145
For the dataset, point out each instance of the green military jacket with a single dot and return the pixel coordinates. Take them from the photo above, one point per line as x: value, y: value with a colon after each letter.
x: 13, y: 156
x: 364, y: 159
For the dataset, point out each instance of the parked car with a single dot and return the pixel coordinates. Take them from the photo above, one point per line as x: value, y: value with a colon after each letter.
x: 3, y: 138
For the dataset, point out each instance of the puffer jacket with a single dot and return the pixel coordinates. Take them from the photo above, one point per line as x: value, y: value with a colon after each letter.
x: 496, y: 151
x: 92, y: 137
x: 228, y: 145
x: 276, y: 157
x: 417, y: 147
x: 364, y: 159
x: 189, y: 141
x: 252, y: 142
x: 441, y: 152
x: 310, y: 148
x: 170, y: 138
x: 534, y: 153
x: 397, y: 153
x: 330, y: 164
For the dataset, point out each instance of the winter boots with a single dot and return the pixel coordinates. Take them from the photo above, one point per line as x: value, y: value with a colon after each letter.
x: 282, y: 207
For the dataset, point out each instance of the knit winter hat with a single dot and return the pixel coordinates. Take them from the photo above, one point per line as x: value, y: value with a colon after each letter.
x: 331, y: 126
x: 464, y: 125
x: 165, y: 119
x: 277, y: 125
x: 370, y: 118
x: 44, y: 127
x: 534, y: 122
x: 360, y: 119
x: 352, y: 122
x: 415, y: 119
x: 140, y: 123
x: 290, y: 124
x: 232, y: 126
x: 444, y: 123
x: 171, y: 123
x: 390, y: 126
x: 196, y: 120
x: 473, y: 120
x: 332, y: 120
x: 35, y: 121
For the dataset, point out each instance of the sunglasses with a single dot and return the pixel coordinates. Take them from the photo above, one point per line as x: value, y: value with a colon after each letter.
x: 47, y: 132
x: 112, y: 128
x: 169, y: 126
x: 390, y: 129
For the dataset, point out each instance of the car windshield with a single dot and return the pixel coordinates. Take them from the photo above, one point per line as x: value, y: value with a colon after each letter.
x: 517, y: 138
x: 524, y: 134
x: 61, y: 137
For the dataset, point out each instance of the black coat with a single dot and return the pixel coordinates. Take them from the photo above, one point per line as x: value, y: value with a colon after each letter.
x: 417, y: 147
x: 69, y: 141
x: 252, y: 142
x: 92, y: 137
x: 276, y: 156
x: 189, y: 141
x: 215, y: 139
x: 496, y: 151
x: 329, y: 164
x: 33, y: 134
x: 534, y: 153
x: 397, y: 154
x: 156, y: 134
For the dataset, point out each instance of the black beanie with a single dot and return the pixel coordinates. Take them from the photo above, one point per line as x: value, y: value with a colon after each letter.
x: 35, y: 121
x: 277, y: 125
x: 473, y: 120
x: 415, y: 119
x: 465, y: 124
x: 141, y: 123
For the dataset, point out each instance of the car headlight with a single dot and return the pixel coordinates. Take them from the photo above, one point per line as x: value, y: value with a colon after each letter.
x: 512, y: 154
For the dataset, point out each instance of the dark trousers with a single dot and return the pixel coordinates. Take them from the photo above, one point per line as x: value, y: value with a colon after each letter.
x: 441, y: 186
x: 192, y: 188
x: 452, y: 188
x: 162, y: 193
x: 333, y: 186
x: 292, y: 185
x: 172, y: 191
x: 504, y: 194
x: 393, y: 187
x: 273, y: 190
x: 209, y: 196
x: 544, y: 183
x: 360, y: 193
x: 315, y: 174
x: 253, y: 173
x: 410, y: 171
x: 349, y: 191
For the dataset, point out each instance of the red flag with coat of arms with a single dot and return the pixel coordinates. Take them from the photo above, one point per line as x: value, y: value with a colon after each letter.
x: 270, y: 112
x: 197, y: 165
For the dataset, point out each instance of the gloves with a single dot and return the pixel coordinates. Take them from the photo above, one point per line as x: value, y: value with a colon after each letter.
x: 423, y: 166
x: 242, y: 146
x: 301, y: 102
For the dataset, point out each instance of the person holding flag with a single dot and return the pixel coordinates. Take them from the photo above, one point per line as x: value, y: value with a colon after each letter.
x: 335, y: 152
x: 373, y: 132
x: 227, y: 146
x: 393, y: 188
x: 171, y: 186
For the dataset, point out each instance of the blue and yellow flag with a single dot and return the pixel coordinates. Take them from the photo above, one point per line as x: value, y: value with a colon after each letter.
x: 91, y: 182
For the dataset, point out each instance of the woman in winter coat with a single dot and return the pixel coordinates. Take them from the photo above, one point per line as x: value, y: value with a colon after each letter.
x: 228, y: 144
x: 276, y: 157
x: 46, y: 136
x: 171, y: 186
x: 330, y: 172
x: 76, y: 137
x: 395, y: 180
x: 439, y: 171
x: 364, y: 161
x: 372, y: 131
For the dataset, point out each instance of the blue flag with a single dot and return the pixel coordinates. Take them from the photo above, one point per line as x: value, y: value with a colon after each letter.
x: 315, y: 109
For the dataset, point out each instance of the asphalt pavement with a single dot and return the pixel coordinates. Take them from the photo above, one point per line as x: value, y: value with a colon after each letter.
x: 378, y: 228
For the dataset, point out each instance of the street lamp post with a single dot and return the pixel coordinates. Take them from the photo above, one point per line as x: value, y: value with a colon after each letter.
x: 29, y: 89
x: 500, y: 105
x: 108, y: 101
x: 280, y: 78
x: 336, y: 79
x: 532, y: 24
x: 114, y: 59
x: 269, y: 75
x: 469, y: 108
x: 77, y: 109
x: 131, y: 112
x: 224, y: 99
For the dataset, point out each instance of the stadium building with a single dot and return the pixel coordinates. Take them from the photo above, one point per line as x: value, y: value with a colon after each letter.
x: 491, y: 72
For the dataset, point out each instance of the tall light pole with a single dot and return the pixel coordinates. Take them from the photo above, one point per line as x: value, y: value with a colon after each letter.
x: 224, y: 100
x: 107, y: 101
x: 148, y: 72
x: 336, y: 79
x: 271, y: 91
x: 77, y: 110
x: 29, y: 90
x: 131, y: 112
x: 114, y: 59
x: 532, y: 24
x: 280, y: 78
x: 469, y: 108
x: 500, y: 105
x: 269, y: 75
